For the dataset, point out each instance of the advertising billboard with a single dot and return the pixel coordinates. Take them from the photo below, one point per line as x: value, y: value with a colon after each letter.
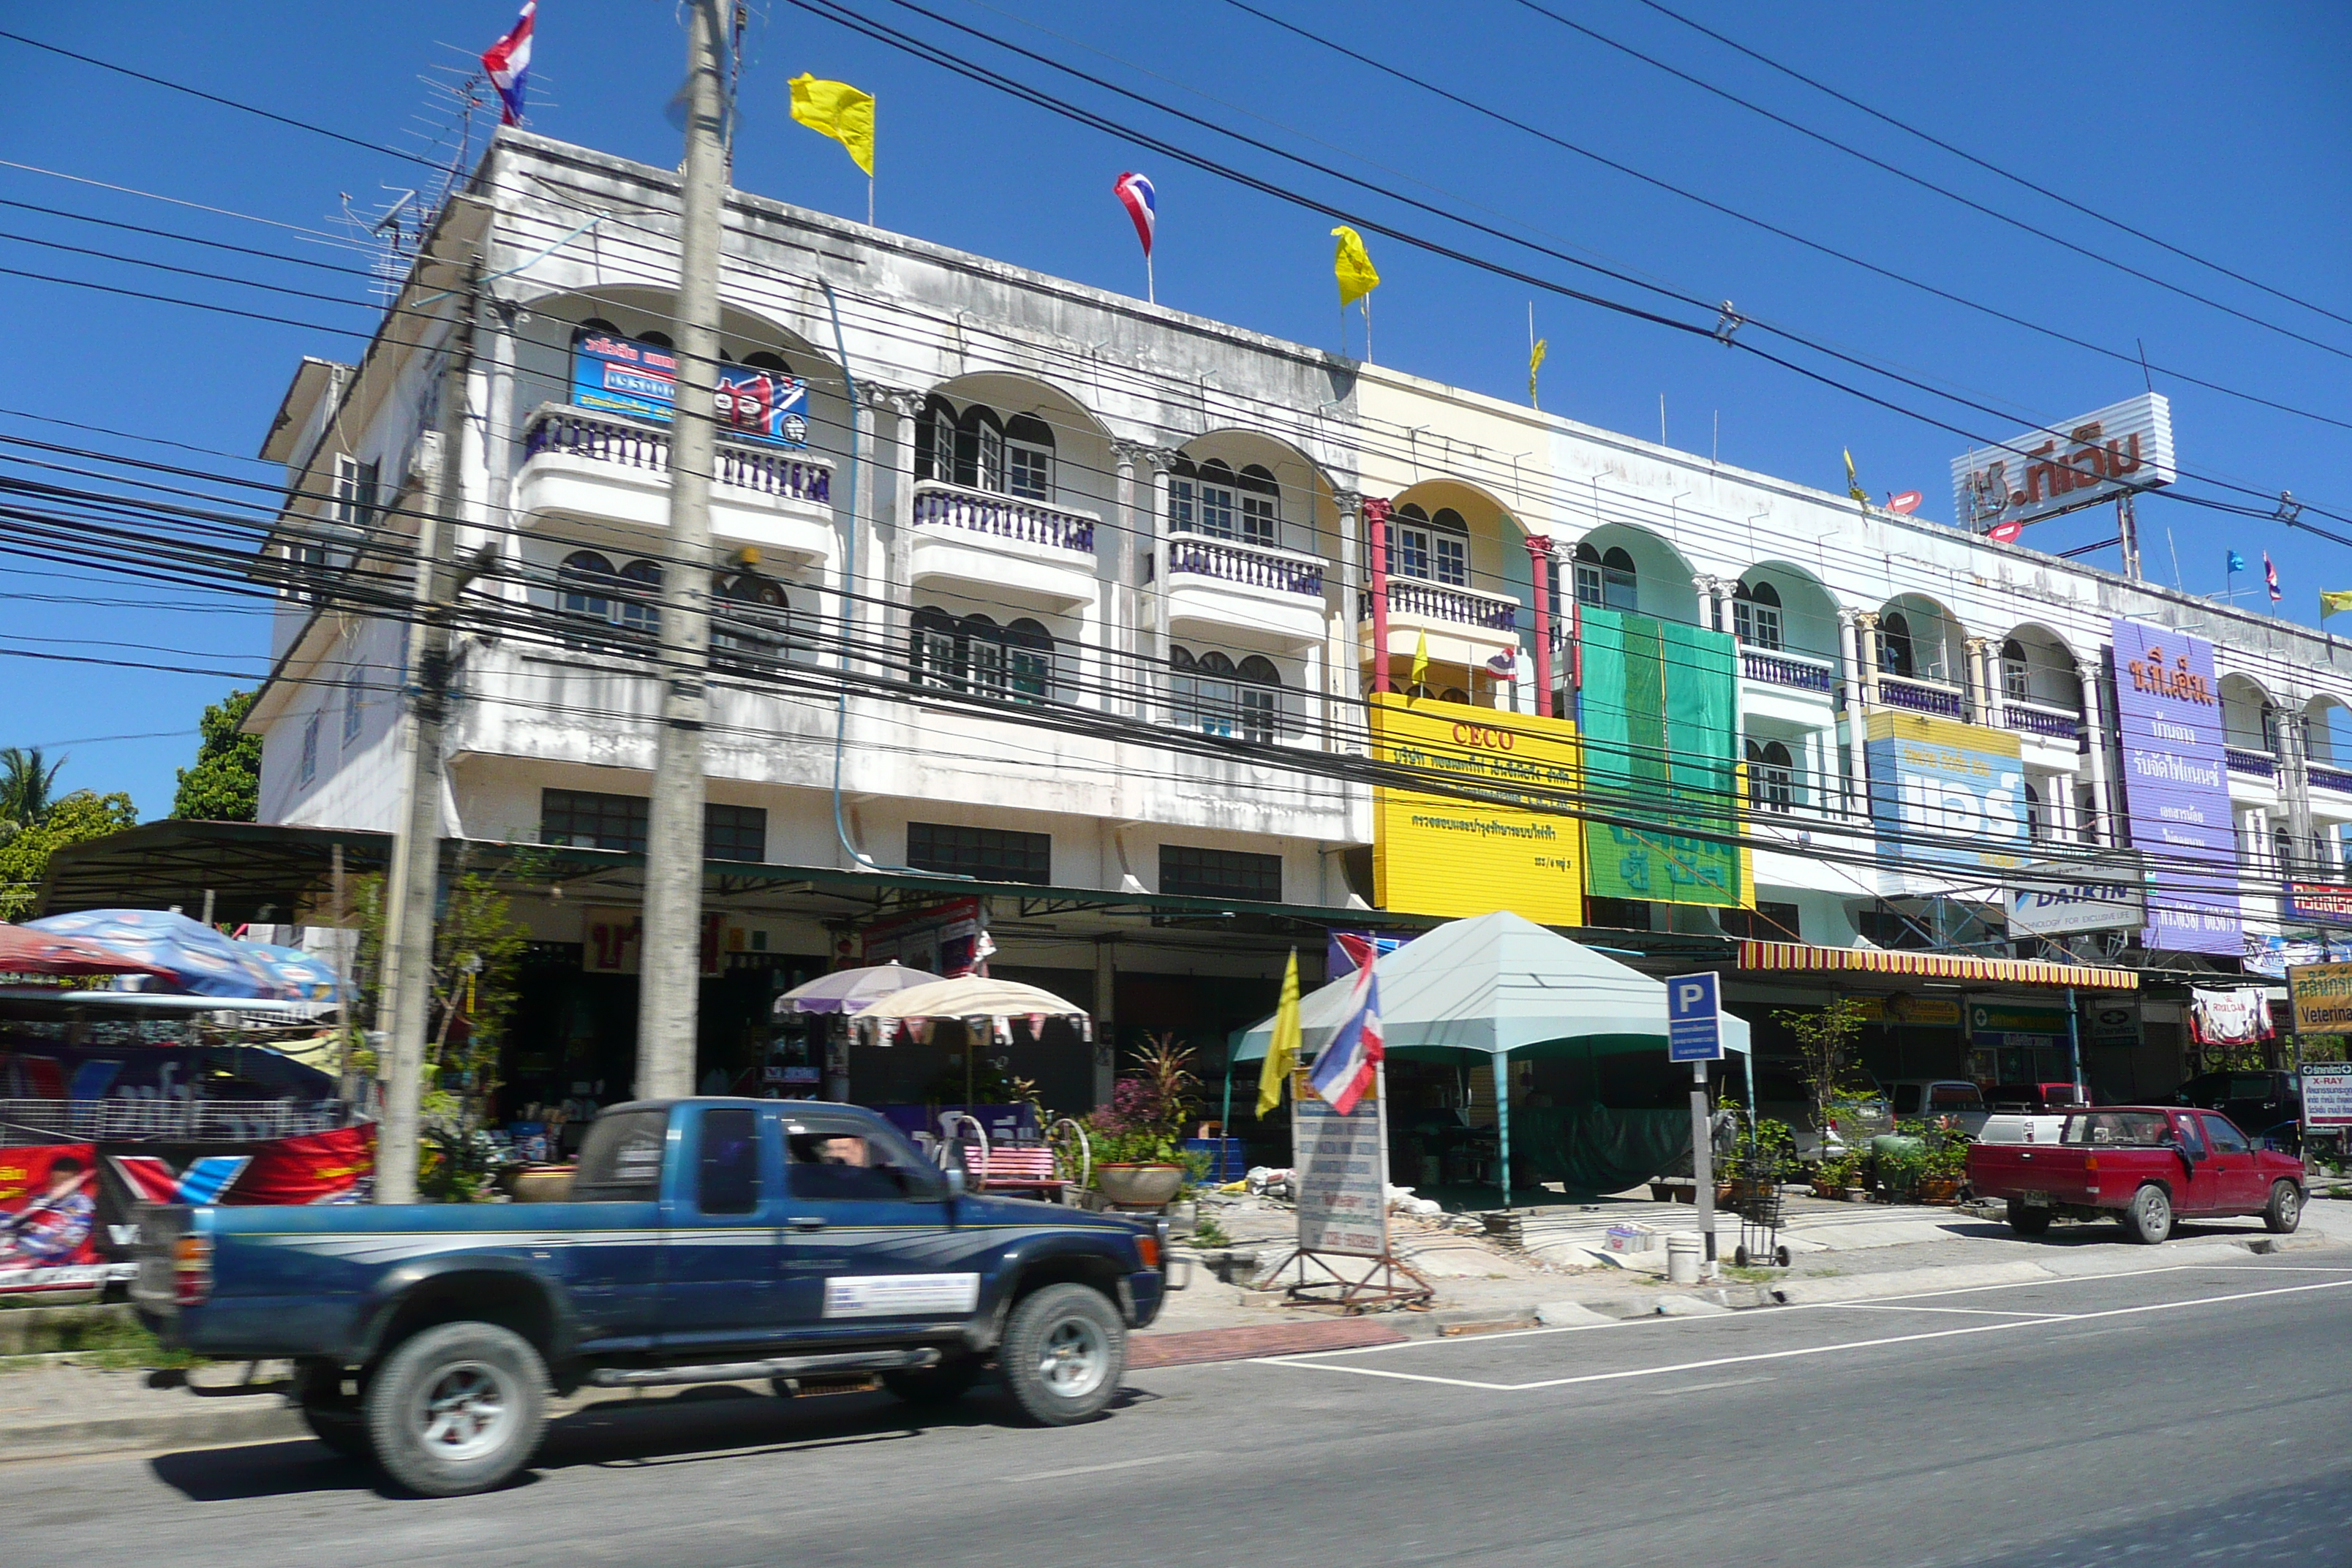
x: 2323, y: 997
x: 615, y: 374
x: 2060, y: 899
x: 1948, y: 800
x: 1445, y: 854
x: 2328, y: 903
x: 2177, y: 788
x: 2076, y: 462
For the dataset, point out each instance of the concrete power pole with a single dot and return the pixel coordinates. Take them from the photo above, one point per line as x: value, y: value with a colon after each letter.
x: 671, y: 964
x: 410, y: 891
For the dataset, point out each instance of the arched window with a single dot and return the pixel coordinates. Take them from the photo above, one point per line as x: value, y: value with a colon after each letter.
x: 1183, y: 688
x: 932, y: 654
x: 1771, y: 777
x: 763, y: 359
x: 1217, y: 499
x: 980, y: 449
x: 2036, y: 820
x: 752, y: 616
x: 1209, y: 693
x: 640, y: 597
x: 1894, y: 653
x: 2270, y: 727
x: 1261, y: 500
x: 1028, y: 662
x: 935, y: 440
x: 2087, y: 815
x: 983, y: 655
x: 1183, y: 497
x: 1454, y: 694
x: 1029, y: 457
x: 658, y: 339
x: 1434, y: 549
x: 1607, y: 580
x: 584, y: 586
x: 1756, y: 616
x: 1220, y: 700
x: 2016, y: 675
x: 1261, y: 696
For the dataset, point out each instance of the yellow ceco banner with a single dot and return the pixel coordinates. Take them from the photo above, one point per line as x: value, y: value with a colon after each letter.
x: 1452, y: 856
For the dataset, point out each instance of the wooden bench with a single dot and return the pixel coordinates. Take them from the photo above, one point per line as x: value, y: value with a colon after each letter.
x: 1015, y: 1168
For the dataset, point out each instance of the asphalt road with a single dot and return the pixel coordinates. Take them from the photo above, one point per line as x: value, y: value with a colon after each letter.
x: 2188, y: 1415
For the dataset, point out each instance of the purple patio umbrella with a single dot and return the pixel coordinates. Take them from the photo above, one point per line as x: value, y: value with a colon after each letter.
x: 851, y: 990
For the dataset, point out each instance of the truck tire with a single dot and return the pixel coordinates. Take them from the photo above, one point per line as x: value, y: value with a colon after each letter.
x: 935, y: 1385
x: 333, y: 1417
x: 2284, y: 1211
x: 1064, y: 1353
x: 2028, y: 1219
x: 2148, y: 1220
x: 457, y: 1408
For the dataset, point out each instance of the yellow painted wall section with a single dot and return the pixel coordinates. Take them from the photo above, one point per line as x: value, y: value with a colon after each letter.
x: 1444, y: 855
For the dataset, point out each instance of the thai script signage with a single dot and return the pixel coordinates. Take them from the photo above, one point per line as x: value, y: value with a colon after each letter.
x: 615, y: 374
x: 2323, y: 997
x: 1342, y: 1169
x: 1494, y: 848
x: 2324, y: 902
x: 2060, y: 899
x: 2327, y: 1095
x: 1946, y: 797
x: 2075, y: 463
x: 2176, y: 789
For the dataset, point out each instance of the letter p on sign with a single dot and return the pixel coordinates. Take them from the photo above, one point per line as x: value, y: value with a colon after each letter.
x: 1694, y: 1018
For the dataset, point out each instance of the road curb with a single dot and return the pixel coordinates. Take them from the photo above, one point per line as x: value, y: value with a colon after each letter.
x: 1905, y: 1283
x: 184, y: 1429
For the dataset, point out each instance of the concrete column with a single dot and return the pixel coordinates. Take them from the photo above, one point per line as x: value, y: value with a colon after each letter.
x: 1154, y: 593
x: 1344, y: 659
x: 877, y: 607
x: 1865, y: 638
x: 1106, y: 1015
x: 1976, y: 697
x: 1854, y: 799
x: 2295, y: 789
x: 1126, y: 594
x: 2095, y: 728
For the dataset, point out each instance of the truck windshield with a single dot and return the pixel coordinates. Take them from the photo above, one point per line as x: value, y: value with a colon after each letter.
x: 2125, y: 1129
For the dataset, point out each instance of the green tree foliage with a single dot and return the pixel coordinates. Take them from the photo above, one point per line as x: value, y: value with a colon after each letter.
x: 25, y: 781
x: 224, y: 784
x: 25, y: 858
x: 1826, y: 1042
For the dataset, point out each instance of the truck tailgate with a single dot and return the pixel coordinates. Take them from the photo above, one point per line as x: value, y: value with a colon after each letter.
x: 2042, y: 1174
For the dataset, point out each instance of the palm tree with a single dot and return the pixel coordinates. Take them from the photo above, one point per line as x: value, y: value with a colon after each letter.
x: 25, y: 785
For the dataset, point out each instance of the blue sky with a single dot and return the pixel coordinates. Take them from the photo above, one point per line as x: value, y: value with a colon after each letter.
x: 2220, y: 129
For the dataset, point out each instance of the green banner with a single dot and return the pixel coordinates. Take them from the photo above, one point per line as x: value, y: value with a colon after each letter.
x: 1659, y: 710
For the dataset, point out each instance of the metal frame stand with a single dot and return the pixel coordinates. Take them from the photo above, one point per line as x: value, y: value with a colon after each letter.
x: 1380, y: 1288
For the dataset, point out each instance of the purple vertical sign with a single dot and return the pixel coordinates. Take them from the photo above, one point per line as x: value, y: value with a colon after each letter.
x: 2176, y: 787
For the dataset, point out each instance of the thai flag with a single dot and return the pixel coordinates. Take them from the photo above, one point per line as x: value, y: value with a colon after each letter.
x: 1135, y: 194
x: 2270, y: 577
x: 1348, y: 1066
x: 509, y: 63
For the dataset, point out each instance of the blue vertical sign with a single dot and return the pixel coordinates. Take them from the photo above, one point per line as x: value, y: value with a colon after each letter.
x: 1695, y: 1017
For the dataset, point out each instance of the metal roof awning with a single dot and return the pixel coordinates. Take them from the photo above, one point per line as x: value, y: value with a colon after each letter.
x: 1786, y: 956
x: 248, y: 866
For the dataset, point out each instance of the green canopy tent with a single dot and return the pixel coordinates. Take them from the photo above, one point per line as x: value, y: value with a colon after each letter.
x: 1496, y: 984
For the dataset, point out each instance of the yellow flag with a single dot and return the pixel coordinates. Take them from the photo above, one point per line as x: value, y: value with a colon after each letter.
x: 1852, y: 485
x: 2333, y: 604
x: 1352, y: 266
x: 1420, y: 662
x: 1282, y: 1051
x: 837, y: 109
x: 1534, y: 363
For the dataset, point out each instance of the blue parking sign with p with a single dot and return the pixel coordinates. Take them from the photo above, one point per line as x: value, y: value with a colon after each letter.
x: 1695, y: 1017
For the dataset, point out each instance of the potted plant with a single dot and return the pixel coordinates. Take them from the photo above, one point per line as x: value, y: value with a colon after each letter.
x: 1138, y: 1141
x: 1838, y: 1174
x: 1947, y: 1164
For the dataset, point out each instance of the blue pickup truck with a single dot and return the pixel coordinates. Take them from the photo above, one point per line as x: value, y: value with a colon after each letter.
x: 704, y: 1241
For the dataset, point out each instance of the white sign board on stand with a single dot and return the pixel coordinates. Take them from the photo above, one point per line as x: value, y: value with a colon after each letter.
x: 2328, y: 1096
x: 1340, y: 1166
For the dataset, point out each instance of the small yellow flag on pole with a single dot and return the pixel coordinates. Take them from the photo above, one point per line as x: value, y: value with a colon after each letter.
x: 1353, y: 266
x: 1281, y: 1050
x: 837, y: 109
x: 2333, y: 604
x: 1420, y: 664
x: 1852, y: 485
x: 1534, y: 363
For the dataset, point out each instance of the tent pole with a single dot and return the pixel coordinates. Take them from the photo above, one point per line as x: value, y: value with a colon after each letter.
x: 1502, y: 1061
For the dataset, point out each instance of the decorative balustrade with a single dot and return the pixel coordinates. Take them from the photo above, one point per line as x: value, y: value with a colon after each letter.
x: 792, y: 476
x: 1436, y: 602
x: 2253, y: 764
x: 2039, y: 719
x: 1252, y: 565
x: 1007, y: 516
x: 1778, y: 667
x: 1921, y: 696
x: 2330, y: 778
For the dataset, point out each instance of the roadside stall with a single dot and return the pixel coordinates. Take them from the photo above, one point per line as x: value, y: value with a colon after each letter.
x: 1503, y: 988
x: 820, y: 1053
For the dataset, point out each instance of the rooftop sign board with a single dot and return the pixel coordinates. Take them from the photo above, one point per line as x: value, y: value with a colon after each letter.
x: 2075, y: 463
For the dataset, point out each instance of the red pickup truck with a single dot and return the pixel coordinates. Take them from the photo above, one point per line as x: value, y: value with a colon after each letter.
x: 2143, y: 1164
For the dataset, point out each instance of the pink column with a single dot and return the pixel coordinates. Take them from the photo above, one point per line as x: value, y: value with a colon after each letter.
x: 1539, y: 561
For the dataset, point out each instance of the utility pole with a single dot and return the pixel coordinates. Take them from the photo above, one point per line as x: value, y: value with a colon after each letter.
x: 412, y: 887
x: 671, y: 966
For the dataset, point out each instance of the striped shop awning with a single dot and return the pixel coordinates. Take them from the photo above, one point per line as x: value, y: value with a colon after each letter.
x: 1797, y: 955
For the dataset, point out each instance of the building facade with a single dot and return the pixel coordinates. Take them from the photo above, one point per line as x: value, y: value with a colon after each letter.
x: 1047, y: 611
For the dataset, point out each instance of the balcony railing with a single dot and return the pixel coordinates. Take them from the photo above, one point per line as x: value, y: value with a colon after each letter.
x: 1436, y: 602
x: 2253, y: 764
x: 1780, y: 668
x: 1921, y: 696
x: 794, y: 476
x: 1252, y: 565
x: 1007, y: 516
x: 2041, y: 718
x: 2330, y: 778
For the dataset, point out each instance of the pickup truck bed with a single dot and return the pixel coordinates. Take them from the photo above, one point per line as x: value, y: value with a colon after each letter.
x: 2142, y: 1166
x: 705, y: 1240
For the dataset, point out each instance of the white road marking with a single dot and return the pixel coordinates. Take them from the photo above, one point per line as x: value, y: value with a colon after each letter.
x: 1713, y: 1361
x: 1963, y: 1311
x: 1095, y: 1469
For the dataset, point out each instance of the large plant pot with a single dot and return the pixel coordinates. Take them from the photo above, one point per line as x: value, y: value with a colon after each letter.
x: 544, y: 1184
x: 1140, y: 1185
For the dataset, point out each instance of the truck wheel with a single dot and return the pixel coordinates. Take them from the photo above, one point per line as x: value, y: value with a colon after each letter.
x: 934, y: 1385
x: 2028, y: 1219
x: 458, y: 1408
x: 1063, y: 1355
x: 2148, y: 1220
x: 333, y: 1417
x: 2284, y: 1211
